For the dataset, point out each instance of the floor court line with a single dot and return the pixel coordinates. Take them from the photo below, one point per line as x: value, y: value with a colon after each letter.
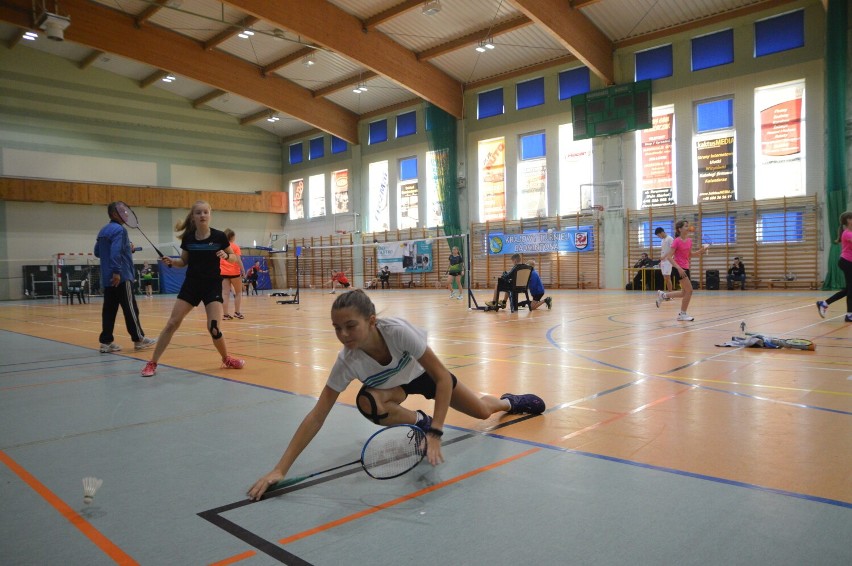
x: 103, y: 543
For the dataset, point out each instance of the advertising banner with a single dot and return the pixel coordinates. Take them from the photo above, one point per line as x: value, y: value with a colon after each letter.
x: 567, y: 240
x: 715, y: 158
x: 656, y: 146
x: 414, y: 256
x: 780, y: 167
x: 532, y: 189
x: 492, y: 179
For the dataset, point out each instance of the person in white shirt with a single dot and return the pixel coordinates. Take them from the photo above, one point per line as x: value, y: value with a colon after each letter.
x: 392, y: 360
x: 665, y: 256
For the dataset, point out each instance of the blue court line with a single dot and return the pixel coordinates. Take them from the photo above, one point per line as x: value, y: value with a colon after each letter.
x: 549, y: 335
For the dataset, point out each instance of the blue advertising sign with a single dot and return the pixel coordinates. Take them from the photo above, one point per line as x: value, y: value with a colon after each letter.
x: 579, y: 239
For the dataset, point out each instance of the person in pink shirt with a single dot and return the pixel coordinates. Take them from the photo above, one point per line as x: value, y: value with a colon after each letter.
x: 844, y: 238
x: 679, y: 255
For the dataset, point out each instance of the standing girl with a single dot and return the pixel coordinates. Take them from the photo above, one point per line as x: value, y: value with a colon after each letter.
x: 454, y: 273
x: 202, y: 247
x: 148, y: 279
x: 679, y: 257
x: 844, y: 238
x: 392, y: 360
x: 232, y: 278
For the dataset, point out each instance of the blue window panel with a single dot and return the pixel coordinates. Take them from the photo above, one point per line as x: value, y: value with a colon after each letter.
x: 779, y: 227
x: 490, y: 104
x: 533, y: 146
x: 316, y: 148
x: 529, y: 93
x: 338, y: 145
x: 654, y: 63
x: 715, y: 115
x: 646, y: 232
x: 296, y: 155
x: 718, y: 230
x: 406, y: 124
x: 575, y: 81
x: 378, y: 132
x: 408, y: 169
x: 780, y: 33
x: 713, y: 50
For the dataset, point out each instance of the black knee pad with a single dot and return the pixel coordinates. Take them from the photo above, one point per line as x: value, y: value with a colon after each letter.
x: 373, y: 415
x: 214, y: 330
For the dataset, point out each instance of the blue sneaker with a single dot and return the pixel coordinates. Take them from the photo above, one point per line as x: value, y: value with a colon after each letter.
x: 822, y: 307
x: 424, y: 421
x: 528, y: 403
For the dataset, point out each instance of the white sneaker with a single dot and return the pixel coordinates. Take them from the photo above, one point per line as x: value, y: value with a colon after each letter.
x: 331, y: 292
x: 660, y: 298
x: 453, y: 295
x: 684, y: 316
x: 144, y: 343
x: 110, y: 348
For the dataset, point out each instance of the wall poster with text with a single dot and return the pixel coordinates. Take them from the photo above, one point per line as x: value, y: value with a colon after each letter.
x: 340, y: 191
x: 492, y: 179
x: 316, y: 189
x: 656, y: 149
x: 532, y: 188
x: 435, y: 161
x: 379, y: 197
x: 779, y: 147
x: 297, y: 204
x: 714, y: 159
x: 407, y: 205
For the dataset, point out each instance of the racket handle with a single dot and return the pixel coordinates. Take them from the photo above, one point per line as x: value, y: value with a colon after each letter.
x: 287, y: 482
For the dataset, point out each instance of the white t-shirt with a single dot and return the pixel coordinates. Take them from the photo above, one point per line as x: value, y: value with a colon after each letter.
x: 406, y: 343
x: 666, y: 246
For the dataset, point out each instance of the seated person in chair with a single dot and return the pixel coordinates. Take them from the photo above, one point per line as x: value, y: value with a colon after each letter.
x: 504, y: 284
x: 384, y: 276
x: 737, y: 272
x: 638, y: 279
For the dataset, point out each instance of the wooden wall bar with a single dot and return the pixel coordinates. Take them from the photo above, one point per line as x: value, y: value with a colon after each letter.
x: 65, y: 192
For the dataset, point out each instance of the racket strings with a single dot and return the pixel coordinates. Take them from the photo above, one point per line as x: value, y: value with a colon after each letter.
x: 393, y: 452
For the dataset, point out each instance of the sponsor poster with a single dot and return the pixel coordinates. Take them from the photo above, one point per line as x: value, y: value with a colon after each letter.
x: 567, y: 240
x: 715, y: 159
x: 340, y: 190
x: 656, y: 159
x: 297, y: 190
x: 408, y: 207
x: 435, y: 162
x: 316, y: 189
x: 532, y: 188
x: 492, y: 182
x: 413, y: 256
x: 380, y: 217
x: 780, y: 166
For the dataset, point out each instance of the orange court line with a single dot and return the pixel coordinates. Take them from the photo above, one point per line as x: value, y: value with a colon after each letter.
x: 403, y: 499
x: 234, y: 559
x: 106, y: 545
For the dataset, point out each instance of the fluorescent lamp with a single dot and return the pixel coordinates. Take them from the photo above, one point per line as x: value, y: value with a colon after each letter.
x: 431, y: 8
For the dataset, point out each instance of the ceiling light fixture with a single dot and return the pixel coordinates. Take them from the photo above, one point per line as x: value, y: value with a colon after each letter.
x: 169, y: 78
x: 489, y: 43
x: 309, y: 60
x: 485, y: 45
x: 245, y: 34
x: 431, y: 8
x: 30, y: 35
x: 274, y: 118
x: 362, y: 87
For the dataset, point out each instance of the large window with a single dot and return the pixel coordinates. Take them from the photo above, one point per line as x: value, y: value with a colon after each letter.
x: 378, y: 132
x: 575, y: 169
x: 713, y: 158
x: 316, y: 190
x: 340, y: 191
x: 338, y: 145
x: 646, y: 236
x: 532, y: 176
x: 529, y: 93
x: 436, y: 162
x: 574, y: 81
x: 779, y: 122
x: 316, y: 148
x: 719, y: 230
x: 656, y: 158
x: 406, y: 124
x: 407, y: 193
x: 654, y: 63
x: 296, y: 155
x: 379, y: 197
x: 297, y: 203
x: 490, y: 104
x: 492, y: 182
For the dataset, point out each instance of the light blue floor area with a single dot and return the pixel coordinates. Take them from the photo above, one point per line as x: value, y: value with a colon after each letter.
x: 171, y: 447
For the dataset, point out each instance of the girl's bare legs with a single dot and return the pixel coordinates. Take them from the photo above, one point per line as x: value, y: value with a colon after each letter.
x: 214, y: 314
x: 179, y: 312
x: 237, y: 284
x: 226, y: 294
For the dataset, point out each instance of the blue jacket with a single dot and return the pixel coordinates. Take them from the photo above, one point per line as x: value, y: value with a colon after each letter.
x: 113, y: 249
x: 535, y: 286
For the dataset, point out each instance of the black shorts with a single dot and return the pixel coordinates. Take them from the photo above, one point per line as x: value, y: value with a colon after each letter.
x: 206, y: 291
x: 537, y: 297
x: 345, y: 285
x: 424, y: 385
x: 231, y: 276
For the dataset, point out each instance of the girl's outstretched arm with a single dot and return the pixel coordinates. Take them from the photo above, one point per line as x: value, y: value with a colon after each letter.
x: 311, y: 425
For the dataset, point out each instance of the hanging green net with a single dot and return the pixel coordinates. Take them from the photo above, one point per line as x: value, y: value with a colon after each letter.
x: 441, y: 135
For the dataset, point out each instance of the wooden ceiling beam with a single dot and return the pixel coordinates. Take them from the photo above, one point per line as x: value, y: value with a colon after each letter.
x: 286, y: 60
x: 391, y: 13
x: 575, y: 32
x: 340, y: 85
x: 230, y: 32
x: 104, y: 29
x: 153, y: 78
x: 372, y: 49
x: 257, y: 116
x: 472, y: 39
x: 209, y: 97
x: 149, y: 12
x: 90, y: 59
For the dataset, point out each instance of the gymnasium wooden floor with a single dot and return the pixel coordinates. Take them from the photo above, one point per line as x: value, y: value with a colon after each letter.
x: 657, y: 446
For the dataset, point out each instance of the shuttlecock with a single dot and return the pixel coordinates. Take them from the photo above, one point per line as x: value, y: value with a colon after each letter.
x: 90, y: 487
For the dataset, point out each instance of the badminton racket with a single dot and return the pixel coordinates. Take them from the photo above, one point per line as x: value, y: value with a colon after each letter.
x: 706, y: 242
x: 388, y: 453
x: 129, y: 217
